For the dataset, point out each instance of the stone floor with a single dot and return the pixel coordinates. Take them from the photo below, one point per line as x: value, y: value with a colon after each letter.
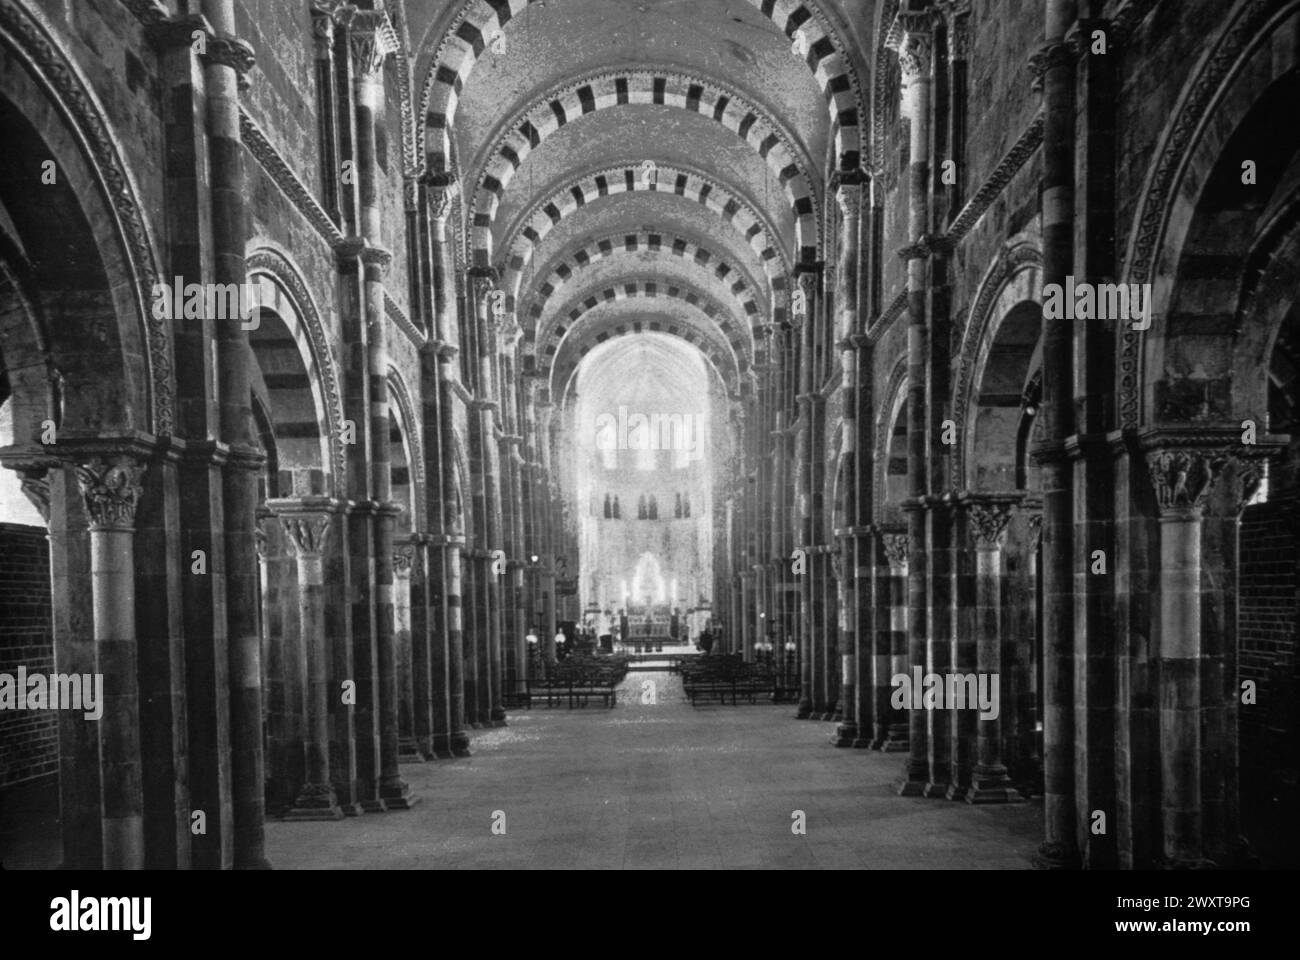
x: 663, y: 785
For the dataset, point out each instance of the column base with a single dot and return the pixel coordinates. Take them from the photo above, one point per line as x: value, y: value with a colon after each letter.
x: 408, y: 751
x: 993, y: 786
x: 935, y: 789
x: 397, y: 795
x: 1186, y: 863
x: 863, y: 743
x: 498, y: 716
x: 846, y: 735
x: 896, y: 740
x: 351, y: 809
x: 374, y: 806
x: 459, y: 744
x: 803, y: 711
x: 316, y: 801
x: 1054, y: 855
x: 955, y: 792
x: 260, y: 863
x: 911, y: 783
x: 441, y: 747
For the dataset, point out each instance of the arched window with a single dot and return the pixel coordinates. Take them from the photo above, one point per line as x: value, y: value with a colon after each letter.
x: 617, y: 513
x: 609, y: 508
x: 686, y: 504
x: 640, y: 507
x: 677, y: 506
x: 654, y: 508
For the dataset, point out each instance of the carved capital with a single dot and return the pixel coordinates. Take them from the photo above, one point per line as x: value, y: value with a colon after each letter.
x: 896, y: 547
x: 1182, y: 478
x: 377, y: 257
x: 36, y: 488
x: 111, y: 488
x: 370, y: 40
x: 1035, y: 529
x: 1049, y: 56
x: 956, y: 18
x: 439, y: 202
x: 308, y: 532
x: 231, y: 52
x: 403, y: 559
x: 989, y: 516
x: 912, y: 37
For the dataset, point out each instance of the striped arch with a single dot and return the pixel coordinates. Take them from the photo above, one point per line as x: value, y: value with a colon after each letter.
x: 548, y: 338
x: 278, y: 286
x: 1014, y: 277
x: 526, y: 131
x: 709, y: 347
x: 468, y: 34
x: 645, y: 241
x: 745, y: 218
x: 891, y: 405
x: 401, y: 398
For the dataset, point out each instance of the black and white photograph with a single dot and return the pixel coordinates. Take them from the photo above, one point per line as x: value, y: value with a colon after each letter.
x: 670, y: 435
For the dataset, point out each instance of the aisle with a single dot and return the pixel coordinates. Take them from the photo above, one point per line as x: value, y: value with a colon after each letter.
x: 663, y: 785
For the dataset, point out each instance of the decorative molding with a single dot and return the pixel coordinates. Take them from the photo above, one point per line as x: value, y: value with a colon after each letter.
x: 275, y: 266
x: 399, y: 318
x: 284, y: 177
x: 57, y: 72
x: 1174, y: 150
x: 111, y: 489
x: 1024, y: 148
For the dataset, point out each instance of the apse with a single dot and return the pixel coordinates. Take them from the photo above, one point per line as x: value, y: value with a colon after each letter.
x: 639, y: 425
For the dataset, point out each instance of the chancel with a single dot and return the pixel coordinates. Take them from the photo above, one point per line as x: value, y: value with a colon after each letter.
x: 584, y: 411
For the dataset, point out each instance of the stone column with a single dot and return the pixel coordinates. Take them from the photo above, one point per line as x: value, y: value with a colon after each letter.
x: 371, y: 40
x: 228, y: 59
x: 306, y: 525
x: 425, y: 643
x: 896, y: 730
x: 988, y: 516
x: 407, y: 749
x: 914, y: 44
x: 111, y: 486
x: 1060, y: 848
x: 1182, y: 476
x: 805, y: 444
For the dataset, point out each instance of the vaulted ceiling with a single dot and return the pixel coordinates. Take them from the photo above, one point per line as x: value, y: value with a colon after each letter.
x: 640, y: 166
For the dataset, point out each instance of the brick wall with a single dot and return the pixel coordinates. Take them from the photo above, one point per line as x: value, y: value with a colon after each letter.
x: 1269, y: 597
x: 29, y: 744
